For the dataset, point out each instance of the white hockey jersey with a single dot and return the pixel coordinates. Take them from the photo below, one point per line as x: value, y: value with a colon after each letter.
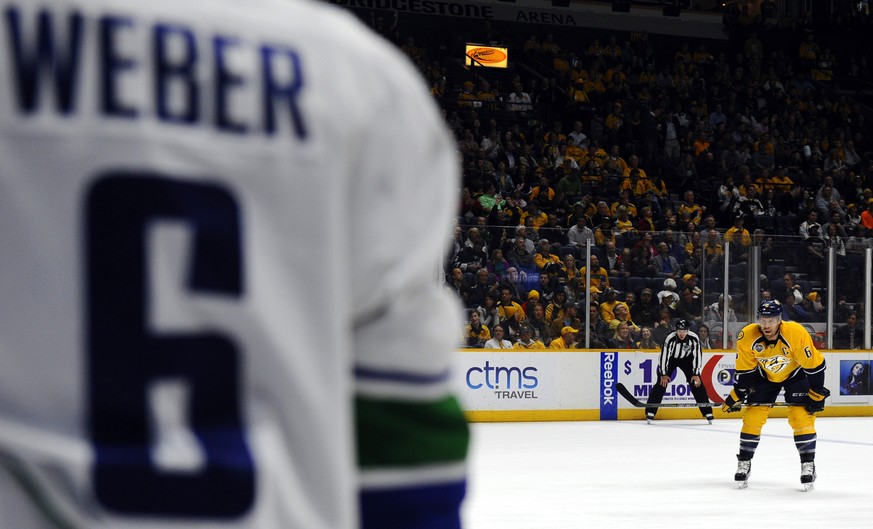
x: 219, y: 225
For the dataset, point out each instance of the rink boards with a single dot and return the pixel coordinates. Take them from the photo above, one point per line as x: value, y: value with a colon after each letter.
x: 517, y: 385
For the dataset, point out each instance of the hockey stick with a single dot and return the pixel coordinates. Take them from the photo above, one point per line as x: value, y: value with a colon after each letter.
x: 624, y: 392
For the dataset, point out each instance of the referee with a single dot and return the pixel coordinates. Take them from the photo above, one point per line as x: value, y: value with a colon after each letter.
x: 681, y: 349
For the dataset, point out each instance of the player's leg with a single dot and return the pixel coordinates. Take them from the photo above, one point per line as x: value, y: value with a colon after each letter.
x: 750, y: 434
x: 803, y: 426
x: 754, y: 418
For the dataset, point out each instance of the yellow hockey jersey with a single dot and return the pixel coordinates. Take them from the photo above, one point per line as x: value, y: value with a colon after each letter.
x: 792, y: 349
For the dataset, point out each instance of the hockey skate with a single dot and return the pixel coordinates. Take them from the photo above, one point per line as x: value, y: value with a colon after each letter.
x: 807, y: 475
x: 744, y: 468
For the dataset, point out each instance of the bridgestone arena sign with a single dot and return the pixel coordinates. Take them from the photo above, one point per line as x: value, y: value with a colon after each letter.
x: 596, y: 15
x: 466, y: 10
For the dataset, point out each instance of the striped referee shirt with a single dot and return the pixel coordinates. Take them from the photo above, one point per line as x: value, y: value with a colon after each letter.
x: 674, y: 348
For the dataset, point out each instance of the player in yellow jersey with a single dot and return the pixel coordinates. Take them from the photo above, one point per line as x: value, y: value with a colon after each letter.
x: 771, y: 355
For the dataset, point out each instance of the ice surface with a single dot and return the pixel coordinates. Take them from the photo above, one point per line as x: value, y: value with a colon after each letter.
x: 671, y: 474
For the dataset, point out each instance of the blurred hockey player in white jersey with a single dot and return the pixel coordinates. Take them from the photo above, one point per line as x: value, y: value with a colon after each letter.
x: 186, y: 189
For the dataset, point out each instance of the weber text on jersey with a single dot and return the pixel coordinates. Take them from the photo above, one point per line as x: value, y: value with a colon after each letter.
x: 163, y: 71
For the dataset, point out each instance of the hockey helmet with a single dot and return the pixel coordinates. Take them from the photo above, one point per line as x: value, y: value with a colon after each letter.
x: 770, y: 307
x: 682, y: 325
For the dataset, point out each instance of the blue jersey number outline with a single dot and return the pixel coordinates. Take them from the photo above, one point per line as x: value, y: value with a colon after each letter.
x: 124, y: 356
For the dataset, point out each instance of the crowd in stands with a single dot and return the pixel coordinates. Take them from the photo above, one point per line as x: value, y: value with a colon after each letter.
x: 653, y: 159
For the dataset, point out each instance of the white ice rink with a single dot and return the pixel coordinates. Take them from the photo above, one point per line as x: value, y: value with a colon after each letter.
x: 672, y: 474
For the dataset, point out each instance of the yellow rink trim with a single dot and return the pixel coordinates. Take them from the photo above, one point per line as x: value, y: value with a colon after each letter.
x: 639, y: 414
x: 532, y: 415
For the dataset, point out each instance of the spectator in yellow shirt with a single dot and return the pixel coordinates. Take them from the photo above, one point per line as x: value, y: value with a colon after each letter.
x: 577, y: 92
x: 636, y: 185
x: 466, y: 97
x: 545, y: 259
x: 737, y: 233
x: 614, y: 121
x: 599, y: 274
x: 595, y: 153
x: 781, y: 181
x: 605, y: 232
x: 607, y: 306
x: 633, y: 162
x: 713, y: 251
x: 567, y: 340
x: 525, y: 340
x: 475, y: 332
x: 615, y: 155
x: 538, y: 218
x: 624, y: 224
x: 694, y: 210
x: 507, y: 307
x: 624, y: 201
x: 739, y: 239
x: 555, y: 309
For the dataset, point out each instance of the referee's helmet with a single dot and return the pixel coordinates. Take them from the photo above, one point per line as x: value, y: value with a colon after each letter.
x: 682, y: 325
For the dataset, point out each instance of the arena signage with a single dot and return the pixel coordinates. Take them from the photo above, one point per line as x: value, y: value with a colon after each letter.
x: 467, y: 10
x: 547, y: 385
x: 706, y: 25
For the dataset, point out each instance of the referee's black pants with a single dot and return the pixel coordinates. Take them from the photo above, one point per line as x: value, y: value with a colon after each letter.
x: 657, y: 391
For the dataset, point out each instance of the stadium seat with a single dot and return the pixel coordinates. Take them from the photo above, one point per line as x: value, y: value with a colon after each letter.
x: 710, y: 298
x: 635, y: 284
x: 766, y: 223
x: 737, y: 286
x: 775, y: 272
x: 713, y: 284
x: 804, y: 285
x: 618, y: 283
x: 564, y: 250
x: 737, y: 270
x: 657, y: 284
x: 785, y: 225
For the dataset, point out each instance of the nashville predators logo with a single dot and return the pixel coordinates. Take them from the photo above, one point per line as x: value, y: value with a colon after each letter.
x: 774, y: 364
x: 487, y: 55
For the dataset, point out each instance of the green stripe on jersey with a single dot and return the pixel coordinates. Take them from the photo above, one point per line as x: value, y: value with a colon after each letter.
x: 394, y: 434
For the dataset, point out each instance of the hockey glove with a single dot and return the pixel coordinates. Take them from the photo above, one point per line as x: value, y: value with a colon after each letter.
x: 815, y: 399
x: 733, y: 402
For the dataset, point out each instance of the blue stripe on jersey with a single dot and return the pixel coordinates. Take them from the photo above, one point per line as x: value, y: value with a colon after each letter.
x: 400, y: 376
x: 427, y: 507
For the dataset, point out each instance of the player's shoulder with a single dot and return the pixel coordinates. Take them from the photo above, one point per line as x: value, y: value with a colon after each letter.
x: 749, y: 333
x: 750, y: 328
x: 315, y: 28
x: 792, y: 326
x: 333, y: 31
x: 349, y: 36
x: 794, y: 331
